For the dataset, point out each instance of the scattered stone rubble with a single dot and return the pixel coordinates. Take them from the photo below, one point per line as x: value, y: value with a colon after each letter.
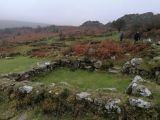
x: 130, y: 67
x: 110, y: 104
x: 138, y: 90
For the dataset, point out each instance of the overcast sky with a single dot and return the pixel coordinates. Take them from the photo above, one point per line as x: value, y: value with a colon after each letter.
x: 73, y: 12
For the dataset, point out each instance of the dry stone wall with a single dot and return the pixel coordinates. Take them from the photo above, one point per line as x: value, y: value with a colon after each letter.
x: 101, y: 102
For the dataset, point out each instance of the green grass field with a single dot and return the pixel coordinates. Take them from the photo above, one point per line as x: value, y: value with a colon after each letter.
x: 23, y: 49
x: 56, y: 40
x: 86, y: 79
x: 18, y: 64
x: 115, y: 37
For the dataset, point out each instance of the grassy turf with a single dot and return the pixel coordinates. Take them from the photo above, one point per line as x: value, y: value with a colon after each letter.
x: 23, y: 49
x: 18, y: 64
x: 86, y: 79
x: 56, y: 40
x: 115, y: 37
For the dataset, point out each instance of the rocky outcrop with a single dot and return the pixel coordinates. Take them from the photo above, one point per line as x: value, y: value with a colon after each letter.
x: 134, y: 18
x: 92, y: 24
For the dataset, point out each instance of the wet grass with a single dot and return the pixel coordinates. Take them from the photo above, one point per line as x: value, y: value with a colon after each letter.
x: 23, y: 49
x: 18, y: 64
x: 86, y: 79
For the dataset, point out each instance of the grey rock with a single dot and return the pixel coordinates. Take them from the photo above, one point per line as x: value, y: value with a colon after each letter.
x: 158, y: 43
x: 125, y: 67
x: 136, y: 89
x: 4, y: 76
x: 136, y: 61
x: 137, y: 78
x: 53, y: 84
x: 112, y: 107
x: 83, y: 95
x: 98, y: 102
x: 104, y: 89
x: 129, y: 89
x: 113, y: 71
x: 127, y: 54
x: 6, y: 79
x: 41, y: 65
x: 97, y: 64
x: 139, y: 103
x: 9, y: 57
x: 157, y: 73
x: 65, y: 83
x: 26, y: 89
x: 140, y: 90
x: 156, y: 58
x: 87, y: 67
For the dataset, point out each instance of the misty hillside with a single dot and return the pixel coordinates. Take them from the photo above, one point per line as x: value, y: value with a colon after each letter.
x: 12, y: 23
x: 133, y: 18
x: 92, y: 24
x: 130, y: 19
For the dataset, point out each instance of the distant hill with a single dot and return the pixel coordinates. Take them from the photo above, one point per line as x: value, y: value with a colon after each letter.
x: 12, y: 23
x: 131, y: 19
x: 92, y: 24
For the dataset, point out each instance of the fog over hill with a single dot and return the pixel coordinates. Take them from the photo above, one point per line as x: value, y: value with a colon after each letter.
x: 12, y: 23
